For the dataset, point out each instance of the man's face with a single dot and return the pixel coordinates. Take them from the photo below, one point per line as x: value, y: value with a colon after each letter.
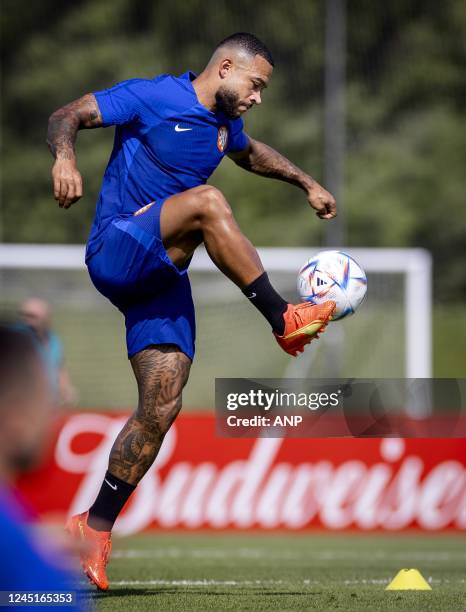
x: 27, y: 412
x: 242, y: 80
x: 35, y: 314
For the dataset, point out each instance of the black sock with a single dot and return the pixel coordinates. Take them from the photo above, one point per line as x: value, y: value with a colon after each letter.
x: 112, y: 497
x: 264, y: 297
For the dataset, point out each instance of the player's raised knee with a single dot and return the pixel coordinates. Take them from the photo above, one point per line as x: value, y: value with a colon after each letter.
x: 212, y: 203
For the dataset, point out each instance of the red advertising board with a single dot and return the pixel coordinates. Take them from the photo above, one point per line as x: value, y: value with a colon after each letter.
x: 203, y: 481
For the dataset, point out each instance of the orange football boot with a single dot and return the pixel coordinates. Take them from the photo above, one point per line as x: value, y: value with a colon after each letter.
x: 96, y: 549
x: 303, y: 323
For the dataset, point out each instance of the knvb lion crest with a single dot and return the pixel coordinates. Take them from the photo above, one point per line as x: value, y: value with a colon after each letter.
x: 222, y: 139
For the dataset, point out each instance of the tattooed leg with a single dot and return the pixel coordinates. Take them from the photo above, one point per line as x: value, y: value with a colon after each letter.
x: 161, y: 373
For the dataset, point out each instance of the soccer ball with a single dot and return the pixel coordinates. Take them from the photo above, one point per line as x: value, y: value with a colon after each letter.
x: 333, y: 275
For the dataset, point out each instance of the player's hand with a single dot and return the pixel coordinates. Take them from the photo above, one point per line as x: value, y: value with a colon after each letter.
x: 67, y: 182
x: 322, y: 201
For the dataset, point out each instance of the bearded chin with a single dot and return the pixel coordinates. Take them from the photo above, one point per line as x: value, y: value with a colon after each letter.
x: 226, y: 102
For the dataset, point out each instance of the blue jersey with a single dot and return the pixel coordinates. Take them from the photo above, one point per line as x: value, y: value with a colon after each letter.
x: 166, y: 141
x: 52, y: 351
x: 28, y: 564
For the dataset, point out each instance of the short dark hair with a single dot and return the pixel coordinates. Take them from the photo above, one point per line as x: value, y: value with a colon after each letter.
x: 19, y: 356
x: 249, y: 43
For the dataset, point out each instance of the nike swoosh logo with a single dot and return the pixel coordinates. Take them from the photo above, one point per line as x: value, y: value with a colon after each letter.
x: 179, y: 129
x: 114, y: 487
x: 253, y: 295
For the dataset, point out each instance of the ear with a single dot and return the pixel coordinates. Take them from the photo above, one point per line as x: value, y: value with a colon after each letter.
x: 225, y: 68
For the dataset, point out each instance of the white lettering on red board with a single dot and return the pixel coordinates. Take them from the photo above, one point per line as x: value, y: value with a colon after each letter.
x: 259, y: 491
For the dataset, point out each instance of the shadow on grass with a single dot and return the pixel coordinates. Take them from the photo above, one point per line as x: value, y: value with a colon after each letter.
x: 127, y: 592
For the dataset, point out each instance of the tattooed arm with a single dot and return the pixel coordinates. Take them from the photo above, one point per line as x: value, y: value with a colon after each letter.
x: 64, y: 124
x: 262, y: 159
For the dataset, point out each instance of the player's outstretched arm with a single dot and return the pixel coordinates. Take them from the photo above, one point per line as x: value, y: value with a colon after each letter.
x: 64, y: 124
x: 262, y: 159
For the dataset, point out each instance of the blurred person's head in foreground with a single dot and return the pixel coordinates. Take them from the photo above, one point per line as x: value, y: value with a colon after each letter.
x: 31, y: 559
x: 25, y: 402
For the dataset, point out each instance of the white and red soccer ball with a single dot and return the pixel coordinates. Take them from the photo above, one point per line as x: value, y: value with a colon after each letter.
x: 333, y: 275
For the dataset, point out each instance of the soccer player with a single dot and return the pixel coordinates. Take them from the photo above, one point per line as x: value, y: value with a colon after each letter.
x: 153, y: 211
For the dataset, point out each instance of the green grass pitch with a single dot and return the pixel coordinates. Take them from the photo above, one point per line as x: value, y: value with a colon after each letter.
x: 205, y: 571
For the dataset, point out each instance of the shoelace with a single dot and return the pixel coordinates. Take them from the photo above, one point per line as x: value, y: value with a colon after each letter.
x: 297, y: 315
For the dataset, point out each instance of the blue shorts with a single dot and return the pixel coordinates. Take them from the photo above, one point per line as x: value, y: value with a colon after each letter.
x: 132, y: 269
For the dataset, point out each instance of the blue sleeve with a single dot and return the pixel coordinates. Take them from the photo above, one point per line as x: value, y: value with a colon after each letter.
x: 57, y: 351
x: 125, y: 102
x: 238, y: 140
x: 28, y: 568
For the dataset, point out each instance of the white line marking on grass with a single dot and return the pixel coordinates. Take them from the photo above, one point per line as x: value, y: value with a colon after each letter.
x: 322, y: 555
x: 253, y: 583
x: 198, y: 582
